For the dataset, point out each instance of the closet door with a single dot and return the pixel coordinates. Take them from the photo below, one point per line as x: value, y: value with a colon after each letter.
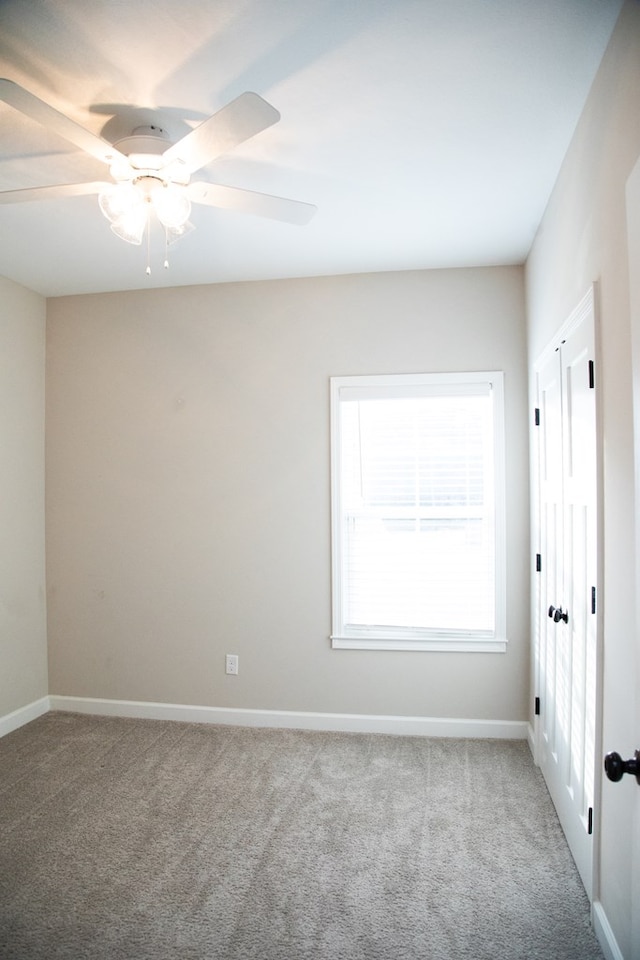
x: 549, y: 659
x: 567, y: 634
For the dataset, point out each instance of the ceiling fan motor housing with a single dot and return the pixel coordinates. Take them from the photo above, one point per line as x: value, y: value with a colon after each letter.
x: 144, y: 150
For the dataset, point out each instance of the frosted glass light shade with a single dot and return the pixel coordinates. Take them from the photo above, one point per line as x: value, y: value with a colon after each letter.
x: 176, y: 233
x: 118, y: 200
x: 172, y: 206
x: 130, y: 226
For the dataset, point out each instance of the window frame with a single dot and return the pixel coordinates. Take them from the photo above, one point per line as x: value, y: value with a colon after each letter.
x: 388, y: 638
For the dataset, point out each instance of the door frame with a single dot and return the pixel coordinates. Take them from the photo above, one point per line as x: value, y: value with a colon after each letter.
x: 632, y: 195
x: 587, y: 305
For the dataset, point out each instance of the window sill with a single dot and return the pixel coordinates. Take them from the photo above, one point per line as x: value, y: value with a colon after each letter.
x: 438, y: 645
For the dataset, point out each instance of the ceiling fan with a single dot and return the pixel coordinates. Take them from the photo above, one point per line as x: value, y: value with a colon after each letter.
x: 150, y: 172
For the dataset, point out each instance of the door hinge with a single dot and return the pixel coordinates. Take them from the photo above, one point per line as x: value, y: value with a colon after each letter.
x: 593, y: 599
x: 536, y: 414
x: 590, y: 821
x: 592, y: 375
x: 538, y: 562
x: 536, y: 707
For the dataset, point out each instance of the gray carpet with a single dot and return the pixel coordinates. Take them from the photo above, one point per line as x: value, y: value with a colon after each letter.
x: 141, y: 839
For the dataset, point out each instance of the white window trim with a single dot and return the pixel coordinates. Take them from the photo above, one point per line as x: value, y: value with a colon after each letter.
x: 379, y: 639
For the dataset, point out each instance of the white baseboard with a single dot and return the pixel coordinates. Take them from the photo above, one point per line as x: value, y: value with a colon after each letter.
x: 531, y: 740
x: 345, y: 722
x: 604, y: 933
x: 18, y: 718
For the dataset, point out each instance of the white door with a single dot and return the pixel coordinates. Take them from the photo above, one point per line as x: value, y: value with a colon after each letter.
x: 567, y: 600
x: 550, y: 525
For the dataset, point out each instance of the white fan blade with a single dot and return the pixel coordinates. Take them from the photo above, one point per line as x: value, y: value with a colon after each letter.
x: 51, y: 193
x: 241, y: 119
x: 247, y: 201
x: 19, y: 98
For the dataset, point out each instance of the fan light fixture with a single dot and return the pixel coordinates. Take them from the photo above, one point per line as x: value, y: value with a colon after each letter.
x: 127, y: 206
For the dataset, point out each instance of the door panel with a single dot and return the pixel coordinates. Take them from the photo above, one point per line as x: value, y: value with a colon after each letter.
x: 580, y: 576
x: 550, y: 514
x: 566, y: 651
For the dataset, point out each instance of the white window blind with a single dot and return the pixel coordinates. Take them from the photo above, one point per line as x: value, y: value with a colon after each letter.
x: 417, y: 490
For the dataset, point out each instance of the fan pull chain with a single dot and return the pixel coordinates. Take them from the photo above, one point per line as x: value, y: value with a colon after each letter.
x: 166, y: 248
x: 148, y: 244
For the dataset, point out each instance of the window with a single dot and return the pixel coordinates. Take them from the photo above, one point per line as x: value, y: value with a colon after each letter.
x: 418, y: 512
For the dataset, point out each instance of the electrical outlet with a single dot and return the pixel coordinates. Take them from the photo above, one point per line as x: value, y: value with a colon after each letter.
x: 231, y: 664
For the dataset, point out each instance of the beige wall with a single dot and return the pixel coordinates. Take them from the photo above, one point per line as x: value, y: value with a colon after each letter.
x: 188, y: 489
x: 23, y: 650
x: 583, y: 238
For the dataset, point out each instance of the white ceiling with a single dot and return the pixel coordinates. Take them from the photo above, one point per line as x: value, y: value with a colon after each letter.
x: 429, y: 133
